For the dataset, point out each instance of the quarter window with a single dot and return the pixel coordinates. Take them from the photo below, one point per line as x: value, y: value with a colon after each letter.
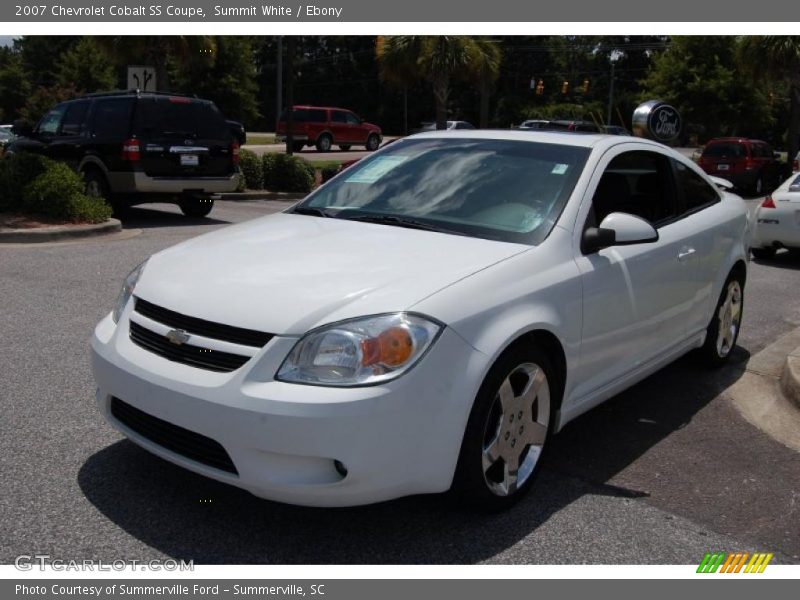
x: 697, y: 193
x: 637, y: 183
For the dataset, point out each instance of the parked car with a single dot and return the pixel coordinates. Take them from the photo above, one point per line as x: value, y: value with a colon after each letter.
x: 776, y: 220
x: 325, y: 127
x: 6, y: 137
x: 534, y: 124
x: 425, y: 320
x: 750, y: 165
x: 431, y: 126
x: 136, y: 147
x: 573, y: 125
x: 796, y: 163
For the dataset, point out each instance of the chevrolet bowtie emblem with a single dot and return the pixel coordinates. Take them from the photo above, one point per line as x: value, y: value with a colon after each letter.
x: 178, y: 337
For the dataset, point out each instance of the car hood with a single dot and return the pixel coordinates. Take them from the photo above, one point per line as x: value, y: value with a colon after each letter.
x: 286, y: 273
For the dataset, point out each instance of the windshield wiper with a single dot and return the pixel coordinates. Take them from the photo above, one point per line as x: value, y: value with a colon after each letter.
x: 398, y: 221
x: 310, y: 210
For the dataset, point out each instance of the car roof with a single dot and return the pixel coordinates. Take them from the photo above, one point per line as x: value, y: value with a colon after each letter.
x: 311, y: 106
x: 565, y: 138
x: 729, y: 140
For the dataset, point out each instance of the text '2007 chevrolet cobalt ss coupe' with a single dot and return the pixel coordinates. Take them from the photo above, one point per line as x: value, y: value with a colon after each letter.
x: 425, y: 320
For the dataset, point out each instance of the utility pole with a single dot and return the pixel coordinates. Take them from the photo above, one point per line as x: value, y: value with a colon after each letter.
x: 290, y: 50
x: 279, y: 82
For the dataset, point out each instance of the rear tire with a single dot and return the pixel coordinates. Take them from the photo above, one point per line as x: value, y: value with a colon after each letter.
x: 196, y: 208
x: 509, y: 425
x: 324, y: 143
x: 763, y: 253
x: 726, y: 322
x: 758, y: 186
x: 96, y: 185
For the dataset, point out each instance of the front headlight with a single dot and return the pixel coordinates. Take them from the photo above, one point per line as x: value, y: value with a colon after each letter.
x: 127, y: 290
x: 360, y: 351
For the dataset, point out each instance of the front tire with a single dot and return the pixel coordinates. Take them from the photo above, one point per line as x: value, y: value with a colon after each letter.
x: 373, y: 141
x: 723, y: 331
x: 509, y: 424
x: 196, y: 208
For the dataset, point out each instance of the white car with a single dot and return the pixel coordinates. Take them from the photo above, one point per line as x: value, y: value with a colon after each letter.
x: 426, y: 319
x: 777, y: 220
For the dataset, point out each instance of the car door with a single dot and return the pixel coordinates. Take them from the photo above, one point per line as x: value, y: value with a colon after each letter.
x: 44, y: 133
x: 339, y: 127
x: 68, y: 143
x: 636, y: 298
x: 356, y: 133
x: 708, y: 236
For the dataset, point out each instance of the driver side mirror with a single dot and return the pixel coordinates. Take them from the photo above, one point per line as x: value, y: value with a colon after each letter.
x: 618, y: 229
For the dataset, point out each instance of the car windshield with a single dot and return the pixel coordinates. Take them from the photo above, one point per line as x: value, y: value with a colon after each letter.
x: 496, y: 189
x: 727, y: 150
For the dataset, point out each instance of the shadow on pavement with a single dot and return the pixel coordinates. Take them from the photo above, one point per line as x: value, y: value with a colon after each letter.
x: 784, y: 259
x: 167, y: 507
x: 166, y: 215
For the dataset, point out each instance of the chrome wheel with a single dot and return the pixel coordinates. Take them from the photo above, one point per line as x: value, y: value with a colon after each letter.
x: 728, y: 317
x: 516, y: 429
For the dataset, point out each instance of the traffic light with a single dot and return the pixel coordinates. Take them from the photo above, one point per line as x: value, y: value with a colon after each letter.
x: 540, y: 88
x: 565, y: 87
x: 585, y: 86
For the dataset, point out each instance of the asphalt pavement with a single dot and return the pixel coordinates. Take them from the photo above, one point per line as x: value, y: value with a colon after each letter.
x: 662, y: 473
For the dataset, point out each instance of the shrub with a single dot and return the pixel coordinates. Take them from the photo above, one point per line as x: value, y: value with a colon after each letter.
x: 252, y: 171
x: 284, y: 173
x: 57, y: 193
x: 330, y: 173
x: 16, y: 173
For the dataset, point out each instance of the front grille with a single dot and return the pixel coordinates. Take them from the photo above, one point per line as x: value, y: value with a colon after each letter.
x: 209, y: 329
x: 187, y: 354
x: 194, y: 446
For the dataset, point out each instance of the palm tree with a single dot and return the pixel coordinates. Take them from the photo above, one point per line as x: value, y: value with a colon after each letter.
x: 777, y: 57
x: 486, y: 58
x: 439, y: 60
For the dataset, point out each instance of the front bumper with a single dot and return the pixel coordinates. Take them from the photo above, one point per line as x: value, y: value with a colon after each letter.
x: 396, y: 439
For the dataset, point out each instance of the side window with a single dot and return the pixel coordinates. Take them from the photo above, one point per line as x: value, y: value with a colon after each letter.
x: 637, y: 183
x: 697, y: 193
x: 112, y: 118
x: 51, y: 121
x: 317, y: 116
x: 338, y: 116
x: 74, y: 118
x: 352, y: 119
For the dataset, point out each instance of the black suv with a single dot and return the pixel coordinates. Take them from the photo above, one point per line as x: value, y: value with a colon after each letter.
x: 136, y: 147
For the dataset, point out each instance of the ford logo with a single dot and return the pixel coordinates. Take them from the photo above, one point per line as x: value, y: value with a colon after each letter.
x: 657, y: 120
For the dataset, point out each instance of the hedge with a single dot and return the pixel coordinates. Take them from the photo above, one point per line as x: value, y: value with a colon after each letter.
x: 283, y: 173
x: 36, y: 186
x: 252, y: 171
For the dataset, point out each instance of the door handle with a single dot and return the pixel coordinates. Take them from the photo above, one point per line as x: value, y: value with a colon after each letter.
x: 685, y: 253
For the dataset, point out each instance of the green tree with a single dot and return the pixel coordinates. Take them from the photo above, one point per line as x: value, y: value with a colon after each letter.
x: 440, y: 60
x: 228, y: 78
x: 87, y: 68
x: 15, y: 86
x: 699, y: 75
x: 776, y: 58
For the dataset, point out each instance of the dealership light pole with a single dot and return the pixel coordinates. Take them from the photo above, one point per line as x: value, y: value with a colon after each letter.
x: 613, y: 58
x: 279, y: 82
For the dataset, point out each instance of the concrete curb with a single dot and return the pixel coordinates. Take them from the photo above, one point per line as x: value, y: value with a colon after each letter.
x: 262, y: 195
x: 790, y: 378
x: 58, y: 232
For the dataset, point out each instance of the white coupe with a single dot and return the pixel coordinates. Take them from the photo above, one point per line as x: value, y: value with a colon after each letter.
x: 777, y: 220
x: 427, y: 319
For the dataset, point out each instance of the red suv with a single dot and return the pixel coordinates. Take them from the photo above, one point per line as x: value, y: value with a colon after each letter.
x: 325, y: 127
x: 750, y: 165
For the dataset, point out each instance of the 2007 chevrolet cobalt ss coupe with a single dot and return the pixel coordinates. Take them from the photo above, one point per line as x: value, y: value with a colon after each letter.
x: 425, y: 320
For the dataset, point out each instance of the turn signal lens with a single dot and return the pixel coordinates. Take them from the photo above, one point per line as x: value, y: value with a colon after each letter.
x: 392, y: 348
x: 768, y: 202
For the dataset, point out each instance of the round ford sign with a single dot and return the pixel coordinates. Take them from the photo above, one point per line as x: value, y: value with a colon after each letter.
x: 657, y: 120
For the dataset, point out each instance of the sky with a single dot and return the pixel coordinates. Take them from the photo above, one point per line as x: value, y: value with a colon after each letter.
x: 5, y: 40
